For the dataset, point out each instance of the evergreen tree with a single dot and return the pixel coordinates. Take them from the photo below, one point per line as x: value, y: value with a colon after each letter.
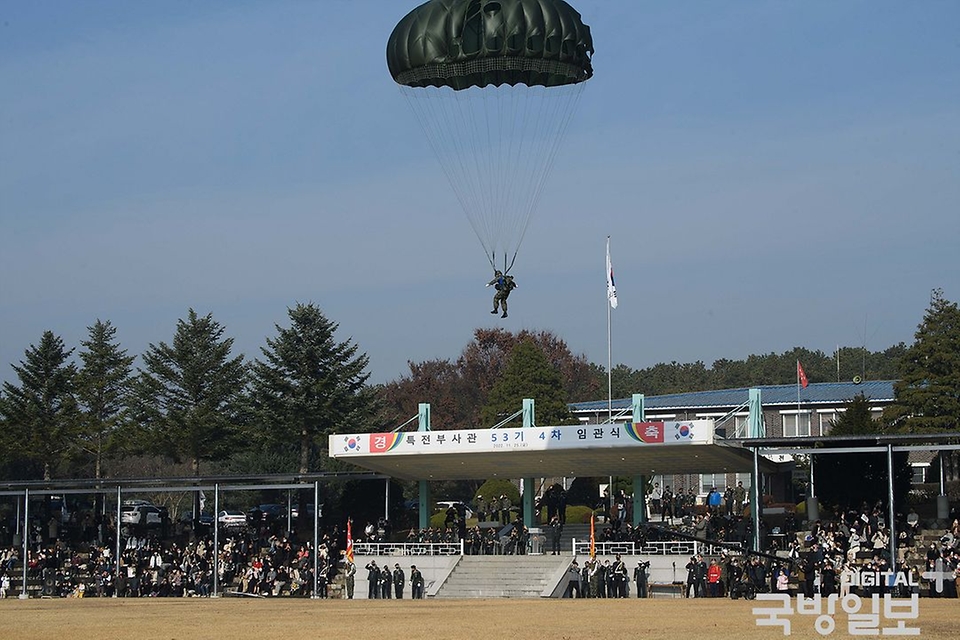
x: 309, y: 385
x: 528, y: 374
x: 40, y: 415
x: 928, y: 392
x: 103, y: 387
x: 190, y: 394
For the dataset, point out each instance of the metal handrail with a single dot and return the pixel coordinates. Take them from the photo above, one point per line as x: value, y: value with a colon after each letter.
x: 658, y: 548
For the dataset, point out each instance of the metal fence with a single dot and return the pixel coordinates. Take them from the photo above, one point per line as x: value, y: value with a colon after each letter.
x: 660, y: 548
x: 579, y: 547
x: 408, y: 548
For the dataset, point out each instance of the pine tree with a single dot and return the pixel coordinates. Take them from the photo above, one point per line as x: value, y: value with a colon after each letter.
x: 190, y: 394
x: 528, y: 374
x: 40, y: 415
x: 309, y: 385
x: 103, y: 387
x: 928, y: 392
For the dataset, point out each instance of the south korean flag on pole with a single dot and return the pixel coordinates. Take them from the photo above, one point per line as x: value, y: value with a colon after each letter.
x: 611, y: 286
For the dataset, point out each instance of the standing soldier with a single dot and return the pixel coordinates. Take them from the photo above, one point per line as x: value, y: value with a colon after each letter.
x: 556, y: 531
x: 739, y: 495
x: 386, y: 582
x: 620, y: 578
x: 505, y: 505
x: 640, y: 577
x: 373, y: 580
x: 416, y: 583
x: 666, y: 504
x: 481, y: 509
x: 349, y: 576
x: 595, y: 574
x: 573, y: 582
x: 398, y: 581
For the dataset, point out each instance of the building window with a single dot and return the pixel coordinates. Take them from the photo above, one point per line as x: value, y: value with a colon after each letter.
x: 919, y: 474
x: 826, y: 419
x: 796, y: 425
x: 742, y: 428
x: 711, y: 480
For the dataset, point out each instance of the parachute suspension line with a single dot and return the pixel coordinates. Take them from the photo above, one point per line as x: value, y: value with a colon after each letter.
x: 496, y: 147
x: 436, y: 117
x: 564, y: 111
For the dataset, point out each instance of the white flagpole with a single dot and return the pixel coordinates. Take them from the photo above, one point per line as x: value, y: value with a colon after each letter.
x: 611, y: 303
x: 609, y: 371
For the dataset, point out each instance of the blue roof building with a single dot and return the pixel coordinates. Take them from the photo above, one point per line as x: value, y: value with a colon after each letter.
x: 786, y: 412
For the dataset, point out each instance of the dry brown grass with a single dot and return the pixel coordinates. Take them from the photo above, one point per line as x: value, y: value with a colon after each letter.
x: 241, y: 619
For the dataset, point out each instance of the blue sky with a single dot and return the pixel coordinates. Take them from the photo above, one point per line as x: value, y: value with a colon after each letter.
x: 773, y: 174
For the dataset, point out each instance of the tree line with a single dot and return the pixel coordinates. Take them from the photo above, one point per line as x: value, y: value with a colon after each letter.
x: 192, y: 406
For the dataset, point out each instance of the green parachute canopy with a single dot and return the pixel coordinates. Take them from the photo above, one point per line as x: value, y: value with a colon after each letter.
x: 475, y: 43
x: 494, y: 84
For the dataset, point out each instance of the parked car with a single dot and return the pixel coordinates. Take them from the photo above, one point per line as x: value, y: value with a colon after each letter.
x: 203, y: 520
x: 143, y: 515
x: 231, y: 519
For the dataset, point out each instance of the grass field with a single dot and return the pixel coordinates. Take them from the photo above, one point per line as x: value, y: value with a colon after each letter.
x: 654, y: 619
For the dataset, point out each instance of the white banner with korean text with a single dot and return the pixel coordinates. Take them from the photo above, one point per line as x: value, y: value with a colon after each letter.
x: 627, y: 434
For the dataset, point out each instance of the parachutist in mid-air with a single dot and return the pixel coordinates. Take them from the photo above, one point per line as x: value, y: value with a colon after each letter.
x: 494, y: 86
x: 504, y: 285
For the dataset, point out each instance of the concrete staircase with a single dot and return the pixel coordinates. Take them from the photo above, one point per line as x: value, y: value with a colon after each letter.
x: 570, y: 531
x: 503, y: 576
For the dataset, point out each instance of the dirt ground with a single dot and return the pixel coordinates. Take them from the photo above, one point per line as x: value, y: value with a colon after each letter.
x: 654, y: 619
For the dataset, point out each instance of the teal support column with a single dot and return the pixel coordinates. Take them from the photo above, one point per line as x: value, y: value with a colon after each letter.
x: 423, y: 416
x: 424, y: 498
x: 757, y: 430
x: 639, y: 482
x: 528, y: 485
x: 756, y: 424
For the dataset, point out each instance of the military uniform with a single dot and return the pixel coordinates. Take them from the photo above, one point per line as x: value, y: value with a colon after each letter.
x: 640, y: 577
x: 399, y: 578
x: 416, y: 583
x: 373, y: 580
x: 504, y: 285
x: 349, y: 577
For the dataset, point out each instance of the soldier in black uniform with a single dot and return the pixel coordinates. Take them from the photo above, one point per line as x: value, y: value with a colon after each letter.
x: 398, y: 581
x: 373, y: 580
x: 556, y: 531
x: 416, y: 583
x: 386, y: 582
x: 640, y: 577
x: 619, y: 578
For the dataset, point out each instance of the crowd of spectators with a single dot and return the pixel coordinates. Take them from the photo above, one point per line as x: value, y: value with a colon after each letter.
x: 178, y: 560
x: 259, y: 560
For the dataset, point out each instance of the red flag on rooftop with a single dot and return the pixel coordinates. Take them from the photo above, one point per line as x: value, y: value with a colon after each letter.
x: 349, y: 552
x: 801, y: 376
